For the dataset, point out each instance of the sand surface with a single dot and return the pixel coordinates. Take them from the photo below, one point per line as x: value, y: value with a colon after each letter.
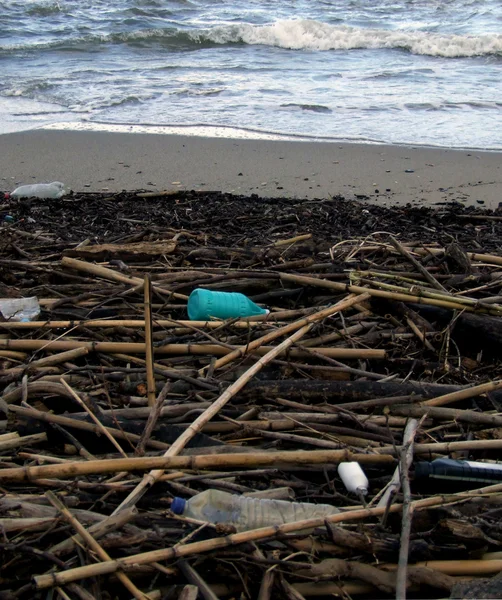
x: 96, y: 161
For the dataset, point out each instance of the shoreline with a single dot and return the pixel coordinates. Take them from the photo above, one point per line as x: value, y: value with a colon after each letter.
x: 378, y: 173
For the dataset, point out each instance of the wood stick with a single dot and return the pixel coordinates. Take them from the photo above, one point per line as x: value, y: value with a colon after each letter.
x: 430, y: 278
x: 154, y: 414
x: 394, y: 484
x: 111, y: 275
x: 150, y: 377
x: 195, y: 579
x: 195, y: 548
x: 464, y: 394
x: 53, y: 359
x: 98, y: 530
x: 453, y: 304
x: 207, y: 415
x: 315, y: 318
x: 27, y: 440
x: 196, y: 462
x: 405, y: 461
x: 132, y: 323
x: 31, y: 413
x: 93, y: 544
x: 180, y: 349
x: 447, y: 414
x: 446, y: 447
x: 100, y: 425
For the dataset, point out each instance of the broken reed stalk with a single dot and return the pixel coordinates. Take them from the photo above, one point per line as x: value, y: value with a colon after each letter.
x: 132, y: 323
x: 464, y: 394
x: 421, y: 251
x: 315, y: 318
x: 150, y: 376
x: 31, y: 413
x: 100, y: 425
x: 195, y: 548
x: 446, y: 447
x: 111, y: 275
x: 53, y: 359
x: 93, y: 544
x: 97, y: 531
x: 201, y: 461
x: 404, y: 295
x: 430, y: 278
x: 208, y: 414
x: 181, y: 349
x: 153, y: 415
x: 447, y: 414
x: 26, y: 440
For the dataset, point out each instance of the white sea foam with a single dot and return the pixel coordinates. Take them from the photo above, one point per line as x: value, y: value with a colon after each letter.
x: 306, y: 34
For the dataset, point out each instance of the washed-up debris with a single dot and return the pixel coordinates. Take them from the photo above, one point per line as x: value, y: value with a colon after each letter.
x: 380, y: 348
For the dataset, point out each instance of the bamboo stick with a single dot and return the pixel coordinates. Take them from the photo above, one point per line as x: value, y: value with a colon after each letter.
x: 447, y: 414
x: 421, y: 251
x: 181, y: 349
x: 9, y: 525
x: 150, y: 377
x: 149, y: 479
x: 48, y: 387
x: 93, y: 544
x: 315, y: 318
x: 100, y: 425
x: 195, y: 548
x: 27, y: 440
x: 132, y: 323
x: 464, y: 394
x: 98, y: 530
x: 111, y: 275
x: 460, y: 567
x: 430, y: 278
x: 446, y: 447
x: 453, y: 304
x: 82, y: 425
x: 202, y: 462
x: 53, y: 359
x: 293, y: 240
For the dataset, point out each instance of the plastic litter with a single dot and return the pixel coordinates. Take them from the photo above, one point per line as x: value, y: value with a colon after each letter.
x: 354, y: 479
x: 20, y: 309
x: 244, y: 513
x: 459, y: 470
x: 205, y: 304
x: 39, y: 190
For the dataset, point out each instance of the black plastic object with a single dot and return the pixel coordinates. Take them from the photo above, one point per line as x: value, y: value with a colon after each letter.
x: 461, y: 470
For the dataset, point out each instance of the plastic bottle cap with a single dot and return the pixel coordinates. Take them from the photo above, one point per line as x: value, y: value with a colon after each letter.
x: 178, y: 505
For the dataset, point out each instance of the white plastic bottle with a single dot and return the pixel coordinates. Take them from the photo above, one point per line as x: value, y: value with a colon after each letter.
x: 39, y: 190
x: 244, y: 513
x: 353, y: 478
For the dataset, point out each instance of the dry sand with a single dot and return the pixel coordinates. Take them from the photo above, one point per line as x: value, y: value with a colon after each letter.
x: 96, y: 161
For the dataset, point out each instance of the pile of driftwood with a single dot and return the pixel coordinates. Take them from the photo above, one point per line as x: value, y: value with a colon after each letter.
x: 382, y: 346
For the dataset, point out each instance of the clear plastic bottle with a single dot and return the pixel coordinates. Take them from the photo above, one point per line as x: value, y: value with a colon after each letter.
x: 244, y: 513
x: 39, y: 190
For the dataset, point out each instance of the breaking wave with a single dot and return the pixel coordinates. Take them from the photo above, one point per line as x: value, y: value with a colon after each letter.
x: 307, y: 34
x: 298, y: 34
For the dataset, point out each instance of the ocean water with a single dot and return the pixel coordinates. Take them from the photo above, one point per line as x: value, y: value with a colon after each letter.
x: 421, y: 72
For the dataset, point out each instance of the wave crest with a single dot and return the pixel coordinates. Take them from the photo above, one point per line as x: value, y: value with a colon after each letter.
x: 305, y: 34
x: 300, y: 34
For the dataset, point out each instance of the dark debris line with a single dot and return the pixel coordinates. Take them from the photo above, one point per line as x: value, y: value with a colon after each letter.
x: 309, y: 399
